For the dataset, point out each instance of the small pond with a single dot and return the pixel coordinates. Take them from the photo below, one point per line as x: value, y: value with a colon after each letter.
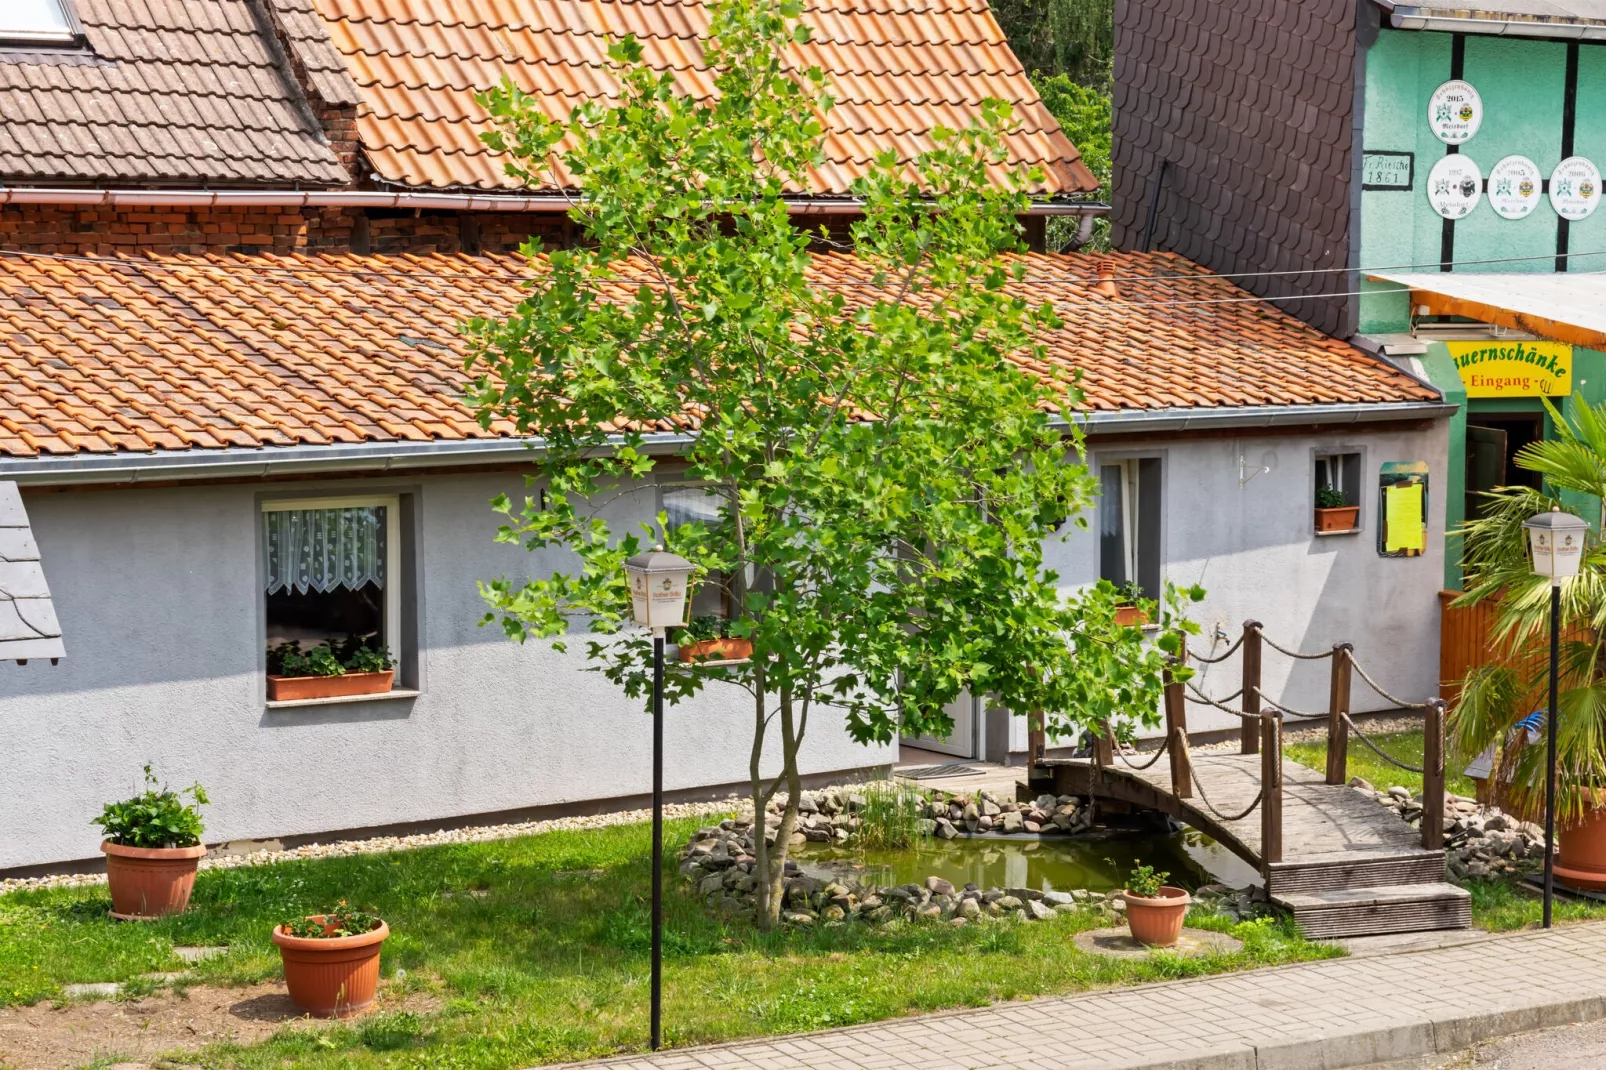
x: 1098, y: 861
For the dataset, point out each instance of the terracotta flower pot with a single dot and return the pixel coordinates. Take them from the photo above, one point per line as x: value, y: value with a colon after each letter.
x: 295, y: 688
x: 716, y: 650
x: 1157, y: 922
x: 1581, y: 860
x: 1130, y: 617
x: 332, y: 977
x: 1338, y: 518
x: 150, y: 882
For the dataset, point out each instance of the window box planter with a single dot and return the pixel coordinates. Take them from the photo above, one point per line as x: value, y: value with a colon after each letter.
x: 331, y: 977
x: 1338, y: 518
x: 1157, y: 921
x: 293, y: 688
x: 728, y: 649
x: 150, y: 882
x: 1130, y: 617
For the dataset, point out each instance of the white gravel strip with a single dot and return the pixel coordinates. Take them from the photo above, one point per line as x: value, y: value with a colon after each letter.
x: 380, y: 844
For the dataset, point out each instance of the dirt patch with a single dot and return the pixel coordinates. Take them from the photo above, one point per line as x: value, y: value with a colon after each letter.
x: 59, y: 1036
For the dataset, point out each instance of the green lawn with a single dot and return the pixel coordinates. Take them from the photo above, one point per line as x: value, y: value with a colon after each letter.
x: 1362, y: 762
x: 551, y: 962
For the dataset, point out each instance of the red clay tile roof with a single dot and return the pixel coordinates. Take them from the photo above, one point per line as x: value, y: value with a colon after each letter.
x: 177, y: 93
x: 896, y: 67
x: 192, y: 352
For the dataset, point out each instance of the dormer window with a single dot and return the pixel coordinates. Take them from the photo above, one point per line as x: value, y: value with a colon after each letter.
x: 38, y: 24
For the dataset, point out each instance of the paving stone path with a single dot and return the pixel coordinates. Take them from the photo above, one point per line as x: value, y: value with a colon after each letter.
x: 1312, y: 1016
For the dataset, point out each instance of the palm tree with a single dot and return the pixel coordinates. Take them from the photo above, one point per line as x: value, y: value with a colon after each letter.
x: 1495, y: 696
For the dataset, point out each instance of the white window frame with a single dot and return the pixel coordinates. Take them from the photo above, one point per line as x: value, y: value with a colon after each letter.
x: 393, y: 593
x: 72, y: 34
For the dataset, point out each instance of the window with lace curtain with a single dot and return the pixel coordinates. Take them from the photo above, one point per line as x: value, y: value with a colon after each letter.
x: 330, y: 574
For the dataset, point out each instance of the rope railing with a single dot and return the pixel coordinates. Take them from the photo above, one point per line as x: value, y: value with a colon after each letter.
x: 1158, y: 754
x: 1374, y: 686
x: 1379, y: 751
x: 1204, y: 699
x: 1289, y: 712
x: 1223, y: 656
x: 1294, y: 653
x: 1193, y: 773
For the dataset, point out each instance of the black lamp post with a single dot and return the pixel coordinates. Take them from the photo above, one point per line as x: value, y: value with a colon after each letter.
x: 658, y: 601
x: 1557, y: 540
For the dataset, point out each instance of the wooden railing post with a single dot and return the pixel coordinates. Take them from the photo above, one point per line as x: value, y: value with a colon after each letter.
x: 1176, y: 730
x: 1433, y: 776
x: 1036, y: 738
x: 1337, y: 707
x: 1249, y: 729
x: 1104, y: 747
x: 1271, y: 787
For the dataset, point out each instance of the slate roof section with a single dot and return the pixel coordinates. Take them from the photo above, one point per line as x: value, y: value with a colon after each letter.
x: 205, y: 352
x: 1250, y: 101
x: 897, y: 68
x: 28, y: 626
x: 169, y: 93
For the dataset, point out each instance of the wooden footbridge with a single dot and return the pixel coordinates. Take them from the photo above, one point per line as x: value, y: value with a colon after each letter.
x: 1341, y: 863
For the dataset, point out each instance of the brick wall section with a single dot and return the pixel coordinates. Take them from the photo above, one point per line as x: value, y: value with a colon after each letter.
x: 106, y: 231
x: 1250, y: 101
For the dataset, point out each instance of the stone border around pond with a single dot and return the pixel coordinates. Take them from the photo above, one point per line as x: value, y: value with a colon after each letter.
x: 719, y: 863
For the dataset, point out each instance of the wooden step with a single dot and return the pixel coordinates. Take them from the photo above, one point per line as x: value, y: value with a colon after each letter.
x: 1367, y: 871
x: 1400, y: 908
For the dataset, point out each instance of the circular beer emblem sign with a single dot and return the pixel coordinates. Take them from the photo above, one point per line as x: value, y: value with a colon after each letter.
x: 1514, y: 187
x: 1454, y: 112
x: 1455, y: 185
x: 1575, y: 188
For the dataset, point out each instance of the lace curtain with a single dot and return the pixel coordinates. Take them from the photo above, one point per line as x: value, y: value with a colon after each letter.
x: 324, y: 549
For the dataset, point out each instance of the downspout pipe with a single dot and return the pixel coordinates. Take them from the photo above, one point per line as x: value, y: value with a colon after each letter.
x: 472, y: 202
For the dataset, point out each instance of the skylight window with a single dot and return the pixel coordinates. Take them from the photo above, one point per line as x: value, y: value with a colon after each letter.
x: 37, y: 22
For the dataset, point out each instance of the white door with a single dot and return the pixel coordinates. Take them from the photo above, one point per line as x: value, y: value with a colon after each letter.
x: 963, y: 742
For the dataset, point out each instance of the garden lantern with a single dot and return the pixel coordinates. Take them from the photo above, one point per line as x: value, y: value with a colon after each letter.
x: 658, y: 590
x: 1557, y: 542
x: 658, y: 598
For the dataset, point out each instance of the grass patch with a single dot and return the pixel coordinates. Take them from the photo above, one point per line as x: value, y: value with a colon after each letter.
x: 548, y: 966
x: 1406, y: 746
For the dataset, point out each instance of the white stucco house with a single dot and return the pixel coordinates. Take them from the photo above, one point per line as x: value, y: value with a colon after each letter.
x: 174, y: 569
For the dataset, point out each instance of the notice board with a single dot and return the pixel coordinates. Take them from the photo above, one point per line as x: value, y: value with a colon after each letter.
x: 1402, y: 508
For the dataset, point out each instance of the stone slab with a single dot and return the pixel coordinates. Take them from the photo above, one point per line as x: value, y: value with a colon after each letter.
x: 1118, y: 943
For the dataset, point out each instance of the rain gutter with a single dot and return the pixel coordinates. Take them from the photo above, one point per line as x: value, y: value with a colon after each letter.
x: 383, y: 457
x: 1493, y: 23
x: 475, y: 202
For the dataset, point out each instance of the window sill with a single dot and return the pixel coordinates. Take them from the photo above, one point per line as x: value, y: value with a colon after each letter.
x: 1346, y: 531
x: 342, y: 700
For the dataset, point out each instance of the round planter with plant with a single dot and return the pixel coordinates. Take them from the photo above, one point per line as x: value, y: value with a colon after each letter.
x: 1154, y: 909
x: 331, y: 961
x: 1133, y: 609
x: 325, y: 672
x: 709, y: 638
x: 153, y: 848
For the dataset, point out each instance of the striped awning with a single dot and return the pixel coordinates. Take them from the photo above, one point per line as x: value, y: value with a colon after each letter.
x: 1568, y: 307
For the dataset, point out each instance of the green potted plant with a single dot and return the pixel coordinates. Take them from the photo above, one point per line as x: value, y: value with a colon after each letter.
x: 1154, y: 909
x: 1333, y: 513
x: 153, y: 848
x: 709, y: 638
x: 331, y: 961
x: 324, y: 672
x: 1514, y: 681
x: 1132, y: 612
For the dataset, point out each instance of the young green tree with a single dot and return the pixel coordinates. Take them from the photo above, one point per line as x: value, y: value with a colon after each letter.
x: 883, y: 471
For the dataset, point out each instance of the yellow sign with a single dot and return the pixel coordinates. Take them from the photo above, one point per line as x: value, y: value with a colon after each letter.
x: 1514, y: 369
x: 1405, y: 528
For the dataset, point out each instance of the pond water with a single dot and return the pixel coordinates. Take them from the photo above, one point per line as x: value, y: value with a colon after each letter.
x: 1098, y: 862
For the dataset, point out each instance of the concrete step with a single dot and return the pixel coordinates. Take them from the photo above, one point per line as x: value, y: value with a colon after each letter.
x: 1396, y: 908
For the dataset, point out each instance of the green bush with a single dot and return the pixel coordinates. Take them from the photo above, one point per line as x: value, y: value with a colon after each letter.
x: 156, y: 818
x: 890, y: 816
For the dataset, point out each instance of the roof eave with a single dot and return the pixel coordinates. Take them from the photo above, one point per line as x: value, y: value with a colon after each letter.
x: 1491, y: 23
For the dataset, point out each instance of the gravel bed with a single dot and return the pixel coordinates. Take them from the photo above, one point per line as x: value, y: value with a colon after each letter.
x: 380, y: 844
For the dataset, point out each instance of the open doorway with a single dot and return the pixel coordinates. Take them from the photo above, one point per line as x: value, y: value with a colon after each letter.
x: 1493, y: 440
